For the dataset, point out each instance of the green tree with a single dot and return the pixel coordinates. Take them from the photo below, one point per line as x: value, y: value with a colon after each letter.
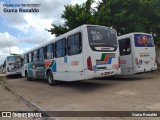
x: 124, y: 15
x: 131, y: 16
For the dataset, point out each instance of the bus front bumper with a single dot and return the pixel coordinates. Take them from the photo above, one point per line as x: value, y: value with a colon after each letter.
x: 13, y: 73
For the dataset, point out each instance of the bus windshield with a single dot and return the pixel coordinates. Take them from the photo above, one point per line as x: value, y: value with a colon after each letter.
x: 14, y: 59
x: 102, y: 38
x: 143, y: 40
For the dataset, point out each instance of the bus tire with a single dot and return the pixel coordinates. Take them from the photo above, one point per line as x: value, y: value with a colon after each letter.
x: 50, y: 79
x: 7, y: 76
x: 28, y: 78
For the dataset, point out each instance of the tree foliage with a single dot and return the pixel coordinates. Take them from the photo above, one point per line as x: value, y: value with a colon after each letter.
x: 124, y: 15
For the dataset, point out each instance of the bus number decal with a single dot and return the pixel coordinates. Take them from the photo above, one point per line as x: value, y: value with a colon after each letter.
x: 96, y: 35
x: 106, y: 58
x: 74, y: 63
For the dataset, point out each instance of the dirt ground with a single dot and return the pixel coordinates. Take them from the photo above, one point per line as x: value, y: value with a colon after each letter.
x: 130, y: 93
x: 9, y: 102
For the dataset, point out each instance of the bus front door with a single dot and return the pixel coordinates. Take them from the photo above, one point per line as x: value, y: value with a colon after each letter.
x: 126, y: 61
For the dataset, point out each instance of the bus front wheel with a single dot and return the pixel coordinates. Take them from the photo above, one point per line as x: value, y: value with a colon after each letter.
x: 50, y: 79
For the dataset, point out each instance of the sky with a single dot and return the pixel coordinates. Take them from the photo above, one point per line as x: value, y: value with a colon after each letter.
x: 20, y: 32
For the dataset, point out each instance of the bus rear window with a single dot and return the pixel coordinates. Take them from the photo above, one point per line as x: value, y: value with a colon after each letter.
x: 102, y: 38
x: 143, y: 40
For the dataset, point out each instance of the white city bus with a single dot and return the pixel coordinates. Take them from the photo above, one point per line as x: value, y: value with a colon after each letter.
x: 86, y: 52
x: 137, y: 53
x: 12, y: 65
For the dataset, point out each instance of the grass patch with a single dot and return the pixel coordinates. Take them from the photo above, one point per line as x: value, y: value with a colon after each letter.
x: 1, y: 78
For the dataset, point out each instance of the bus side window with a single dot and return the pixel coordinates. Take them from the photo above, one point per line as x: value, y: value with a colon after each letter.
x: 45, y: 52
x: 53, y: 50
x: 35, y: 56
x: 124, y: 46
x: 74, y: 44
x: 41, y: 54
x: 60, y: 48
x: 26, y: 58
x: 30, y: 57
x: 50, y: 51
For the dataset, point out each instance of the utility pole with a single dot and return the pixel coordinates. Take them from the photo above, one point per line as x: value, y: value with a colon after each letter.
x: 9, y: 48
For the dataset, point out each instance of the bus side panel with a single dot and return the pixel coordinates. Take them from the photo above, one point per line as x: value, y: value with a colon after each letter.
x: 126, y: 65
x: 75, y: 67
x: 40, y: 70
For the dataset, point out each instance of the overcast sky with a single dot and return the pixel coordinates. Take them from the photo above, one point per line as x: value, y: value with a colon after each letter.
x: 23, y: 31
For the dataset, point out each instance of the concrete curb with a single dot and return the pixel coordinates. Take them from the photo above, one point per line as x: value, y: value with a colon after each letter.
x: 27, y: 102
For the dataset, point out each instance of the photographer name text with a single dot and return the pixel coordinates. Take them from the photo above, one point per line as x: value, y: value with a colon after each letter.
x: 21, y: 8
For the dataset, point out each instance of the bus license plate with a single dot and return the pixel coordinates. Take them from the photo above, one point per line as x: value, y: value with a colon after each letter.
x: 147, y: 62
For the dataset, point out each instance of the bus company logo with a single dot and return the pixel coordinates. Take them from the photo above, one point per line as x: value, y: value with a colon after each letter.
x: 144, y: 54
x: 6, y: 114
x: 106, y: 58
x: 74, y: 63
x: 50, y: 64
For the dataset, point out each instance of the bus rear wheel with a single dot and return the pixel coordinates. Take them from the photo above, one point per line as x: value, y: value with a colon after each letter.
x: 50, y: 79
x: 28, y: 78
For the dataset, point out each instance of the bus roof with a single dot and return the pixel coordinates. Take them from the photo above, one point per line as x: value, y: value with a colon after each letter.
x: 13, y: 55
x: 61, y: 37
x: 129, y: 34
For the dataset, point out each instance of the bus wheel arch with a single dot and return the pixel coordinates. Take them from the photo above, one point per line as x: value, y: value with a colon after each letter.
x: 50, y: 78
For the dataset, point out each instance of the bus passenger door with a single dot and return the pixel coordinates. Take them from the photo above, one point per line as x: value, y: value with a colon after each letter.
x: 126, y: 61
x: 75, y: 57
x: 40, y: 69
